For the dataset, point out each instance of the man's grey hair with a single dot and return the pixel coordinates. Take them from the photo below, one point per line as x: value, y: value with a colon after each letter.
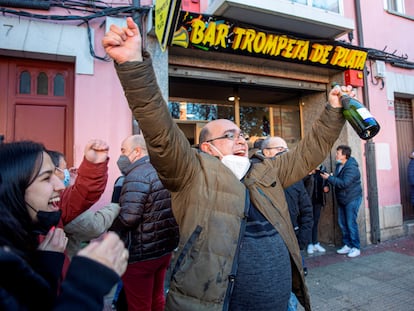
x: 139, y: 141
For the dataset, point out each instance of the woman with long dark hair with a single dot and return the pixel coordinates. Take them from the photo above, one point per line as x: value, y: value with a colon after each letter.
x: 31, y: 247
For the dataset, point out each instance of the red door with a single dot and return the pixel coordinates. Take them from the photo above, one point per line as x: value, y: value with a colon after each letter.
x: 36, y: 103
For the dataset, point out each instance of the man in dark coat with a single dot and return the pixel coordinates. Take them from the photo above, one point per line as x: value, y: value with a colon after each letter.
x: 348, y: 192
x: 146, y: 225
x: 297, y: 198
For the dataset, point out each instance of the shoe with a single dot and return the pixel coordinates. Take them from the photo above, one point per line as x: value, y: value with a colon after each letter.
x: 310, y: 249
x: 354, y: 252
x: 305, y: 271
x: 344, y: 250
x: 317, y: 247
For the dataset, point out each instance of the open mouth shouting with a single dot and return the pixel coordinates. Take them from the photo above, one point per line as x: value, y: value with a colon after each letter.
x: 54, y: 203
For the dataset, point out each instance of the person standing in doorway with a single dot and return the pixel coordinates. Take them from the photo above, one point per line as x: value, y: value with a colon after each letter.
x: 348, y: 191
x: 316, y: 187
x: 146, y: 225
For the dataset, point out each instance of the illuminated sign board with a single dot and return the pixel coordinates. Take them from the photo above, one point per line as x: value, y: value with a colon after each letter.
x: 212, y: 33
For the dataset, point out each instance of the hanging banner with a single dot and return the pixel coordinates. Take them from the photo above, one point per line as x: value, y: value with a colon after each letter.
x: 213, y: 33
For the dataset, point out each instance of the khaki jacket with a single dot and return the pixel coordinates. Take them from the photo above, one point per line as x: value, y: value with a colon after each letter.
x: 89, y: 225
x: 208, y: 200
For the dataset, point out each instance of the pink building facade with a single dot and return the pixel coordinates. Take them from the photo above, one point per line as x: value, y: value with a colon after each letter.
x: 390, y: 91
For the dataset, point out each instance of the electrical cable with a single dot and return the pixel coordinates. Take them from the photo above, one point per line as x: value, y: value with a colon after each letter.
x: 94, y: 12
x: 99, y: 9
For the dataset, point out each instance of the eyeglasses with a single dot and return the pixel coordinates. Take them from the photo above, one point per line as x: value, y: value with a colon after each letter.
x: 230, y: 136
x: 280, y: 148
x: 59, y: 169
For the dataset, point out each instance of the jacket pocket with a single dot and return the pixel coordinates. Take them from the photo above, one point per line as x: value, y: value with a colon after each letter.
x: 186, y: 249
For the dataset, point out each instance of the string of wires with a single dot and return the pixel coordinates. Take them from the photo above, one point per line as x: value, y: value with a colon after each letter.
x: 91, y: 9
x: 98, y: 9
x: 391, y: 58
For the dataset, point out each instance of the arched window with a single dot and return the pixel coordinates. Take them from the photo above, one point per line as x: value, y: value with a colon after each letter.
x: 59, y: 85
x: 24, y: 83
x: 42, y: 84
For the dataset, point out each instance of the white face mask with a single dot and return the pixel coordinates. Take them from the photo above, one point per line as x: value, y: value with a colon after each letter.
x: 237, y: 164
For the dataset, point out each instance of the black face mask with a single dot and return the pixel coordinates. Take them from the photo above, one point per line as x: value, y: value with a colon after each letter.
x: 45, y: 220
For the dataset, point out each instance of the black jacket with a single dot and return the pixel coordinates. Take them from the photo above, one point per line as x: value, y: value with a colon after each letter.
x: 314, y: 185
x: 347, y: 182
x: 301, y: 212
x: 145, y: 223
x: 25, y: 286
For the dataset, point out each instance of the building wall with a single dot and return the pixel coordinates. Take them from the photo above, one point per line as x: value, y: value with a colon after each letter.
x: 384, y: 32
x: 388, y: 32
x: 101, y: 112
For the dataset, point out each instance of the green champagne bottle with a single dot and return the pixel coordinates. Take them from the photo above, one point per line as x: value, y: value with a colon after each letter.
x: 362, y: 121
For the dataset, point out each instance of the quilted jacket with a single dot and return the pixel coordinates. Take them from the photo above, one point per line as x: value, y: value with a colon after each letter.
x: 145, y: 222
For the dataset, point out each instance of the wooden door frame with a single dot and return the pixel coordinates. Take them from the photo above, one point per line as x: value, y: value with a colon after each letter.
x: 405, y: 146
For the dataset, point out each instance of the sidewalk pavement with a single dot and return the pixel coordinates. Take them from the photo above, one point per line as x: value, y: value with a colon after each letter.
x: 381, y: 279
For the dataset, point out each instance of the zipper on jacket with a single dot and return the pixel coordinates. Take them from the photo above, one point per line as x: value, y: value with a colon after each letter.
x: 129, y: 240
x: 233, y: 273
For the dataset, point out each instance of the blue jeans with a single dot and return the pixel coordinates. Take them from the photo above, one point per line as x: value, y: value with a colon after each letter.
x: 347, y: 219
x: 293, y: 303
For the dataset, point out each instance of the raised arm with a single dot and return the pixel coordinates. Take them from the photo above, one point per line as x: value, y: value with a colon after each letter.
x: 123, y: 44
x: 90, y: 182
x: 169, y: 149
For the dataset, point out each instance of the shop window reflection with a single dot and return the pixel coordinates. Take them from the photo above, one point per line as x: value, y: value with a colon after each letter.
x: 183, y: 110
x: 254, y: 120
x: 286, y: 120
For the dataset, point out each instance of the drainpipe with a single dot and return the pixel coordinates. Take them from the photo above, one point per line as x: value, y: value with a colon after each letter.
x: 370, y: 161
x: 136, y: 16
